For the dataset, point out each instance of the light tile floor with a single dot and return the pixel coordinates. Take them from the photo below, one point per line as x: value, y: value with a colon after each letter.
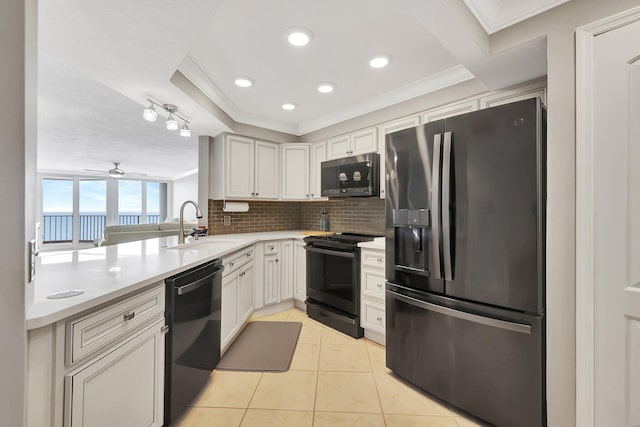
x: 334, y: 381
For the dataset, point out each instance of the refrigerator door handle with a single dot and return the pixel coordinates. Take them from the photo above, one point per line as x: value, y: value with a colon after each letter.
x: 446, y: 210
x: 435, y: 206
x: 489, y: 321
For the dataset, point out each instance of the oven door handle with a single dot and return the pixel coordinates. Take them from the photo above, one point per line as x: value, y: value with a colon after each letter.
x: 330, y: 252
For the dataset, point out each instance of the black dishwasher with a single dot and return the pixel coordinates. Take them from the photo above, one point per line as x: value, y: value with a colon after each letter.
x: 193, y: 342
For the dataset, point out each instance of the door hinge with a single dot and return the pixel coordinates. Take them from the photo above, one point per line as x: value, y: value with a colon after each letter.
x: 165, y: 329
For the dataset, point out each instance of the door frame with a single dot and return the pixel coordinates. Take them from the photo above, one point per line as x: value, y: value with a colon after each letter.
x: 585, y: 247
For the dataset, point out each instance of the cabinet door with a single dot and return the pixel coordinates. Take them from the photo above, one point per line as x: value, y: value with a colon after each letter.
x: 450, y: 111
x: 271, y: 272
x: 266, y: 170
x: 394, y: 126
x: 124, y: 387
x: 229, y: 308
x: 300, y: 272
x: 245, y: 292
x: 295, y: 171
x: 318, y: 155
x: 364, y: 141
x: 338, y: 147
x: 286, y: 270
x: 513, y: 95
x: 239, y: 161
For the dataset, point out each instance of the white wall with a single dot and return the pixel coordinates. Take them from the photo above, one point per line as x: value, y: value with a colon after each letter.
x: 185, y: 189
x: 559, y: 26
x: 17, y: 161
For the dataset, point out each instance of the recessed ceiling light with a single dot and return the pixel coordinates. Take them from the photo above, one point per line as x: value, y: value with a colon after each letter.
x: 298, y: 36
x: 325, y: 87
x: 289, y: 106
x: 243, y: 81
x: 380, y: 61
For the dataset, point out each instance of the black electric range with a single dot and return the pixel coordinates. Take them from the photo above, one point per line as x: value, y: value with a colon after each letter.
x: 333, y: 280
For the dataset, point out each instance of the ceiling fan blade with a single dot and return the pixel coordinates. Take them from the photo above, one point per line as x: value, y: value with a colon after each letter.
x: 136, y: 173
x: 96, y: 170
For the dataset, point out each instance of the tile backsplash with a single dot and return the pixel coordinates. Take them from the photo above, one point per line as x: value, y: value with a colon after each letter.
x: 355, y: 215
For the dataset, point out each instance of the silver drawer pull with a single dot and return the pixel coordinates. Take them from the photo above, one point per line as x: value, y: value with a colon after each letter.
x: 379, y: 319
x: 379, y: 285
x: 129, y: 316
x: 379, y: 260
x: 230, y: 264
x: 248, y: 254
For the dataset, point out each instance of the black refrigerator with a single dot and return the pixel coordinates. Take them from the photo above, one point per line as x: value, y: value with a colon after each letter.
x: 465, y: 261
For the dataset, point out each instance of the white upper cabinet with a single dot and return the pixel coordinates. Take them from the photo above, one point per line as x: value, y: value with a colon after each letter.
x: 266, y: 170
x: 295, y: 171
x: 512, y: 95
x: 318, y: 155
x: 243, y: 168
x: 239, y: 160
x: 338, y: 147
x: 450, y: 111
x: 364, y: 141
x: 384, y: 129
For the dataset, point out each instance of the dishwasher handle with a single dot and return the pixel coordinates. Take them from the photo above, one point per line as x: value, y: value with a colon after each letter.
x: 190, y: 287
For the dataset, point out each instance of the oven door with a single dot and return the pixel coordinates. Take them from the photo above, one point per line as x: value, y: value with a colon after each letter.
x: 332, y: 278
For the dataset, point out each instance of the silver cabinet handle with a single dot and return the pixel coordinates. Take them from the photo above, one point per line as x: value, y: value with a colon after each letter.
x: 379, y: 285
x: 379, y: 319
x: 276, y: 259
x: 379, y: 259
x: 129, y: 316
x: 312, y: 194
x: 230, y: 264
x: 248, y: 254
x: 435, y: 206
x: 446, y: 209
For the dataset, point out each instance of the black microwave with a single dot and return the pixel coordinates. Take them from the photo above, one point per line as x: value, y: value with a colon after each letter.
x: 357, y: 176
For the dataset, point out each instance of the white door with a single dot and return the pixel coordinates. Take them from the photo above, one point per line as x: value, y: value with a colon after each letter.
x: 124, y: 387
x: 364, y: 141
x: 616, y: 141
x: 338, y: 147
x: 286, y: 270
x: 300, y: 271
x: 266, y: 170
x: 318, y: 155
x: 295, y: 171
x: 229, y: 308
x: 239, y: 167
x: 271, y: 271
x: 245, y: 292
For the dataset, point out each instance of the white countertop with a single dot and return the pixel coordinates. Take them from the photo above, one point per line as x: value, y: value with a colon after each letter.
x: 108, y: 272
x: 377, y: 243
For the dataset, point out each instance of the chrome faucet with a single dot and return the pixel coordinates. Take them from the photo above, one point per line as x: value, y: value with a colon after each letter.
x: 181, y: 233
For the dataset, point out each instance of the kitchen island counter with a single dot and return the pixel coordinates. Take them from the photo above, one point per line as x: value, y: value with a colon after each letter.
x: 110, y: 272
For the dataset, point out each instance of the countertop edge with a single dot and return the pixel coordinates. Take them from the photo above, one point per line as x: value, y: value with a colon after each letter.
x: 35, y: 320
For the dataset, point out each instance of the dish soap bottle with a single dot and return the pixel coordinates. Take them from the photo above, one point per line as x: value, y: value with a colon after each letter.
x: 324, y: 220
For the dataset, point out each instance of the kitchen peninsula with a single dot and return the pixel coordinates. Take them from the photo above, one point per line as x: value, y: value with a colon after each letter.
x: 116, y: 326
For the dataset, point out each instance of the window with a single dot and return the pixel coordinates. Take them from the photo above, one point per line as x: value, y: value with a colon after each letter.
x: 57, y: 210
x: 75, y: 210
x: 93, y: 209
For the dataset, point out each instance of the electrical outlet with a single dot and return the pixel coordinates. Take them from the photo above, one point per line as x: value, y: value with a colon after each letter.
x: 227, y: 220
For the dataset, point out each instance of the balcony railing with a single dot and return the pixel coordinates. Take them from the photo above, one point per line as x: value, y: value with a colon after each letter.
x: 58, y: 228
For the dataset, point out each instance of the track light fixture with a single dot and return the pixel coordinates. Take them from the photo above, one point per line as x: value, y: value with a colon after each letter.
x: 151, y: 115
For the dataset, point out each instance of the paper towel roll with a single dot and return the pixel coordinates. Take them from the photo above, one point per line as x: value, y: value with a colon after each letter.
x: 235, y: 206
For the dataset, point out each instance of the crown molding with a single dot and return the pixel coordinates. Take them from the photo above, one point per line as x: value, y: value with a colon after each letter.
x: 449, y: 77
x: 498, y: 15
x: 194, y: 73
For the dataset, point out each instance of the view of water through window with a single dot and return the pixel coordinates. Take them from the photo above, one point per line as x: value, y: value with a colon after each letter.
x: 93, y: 207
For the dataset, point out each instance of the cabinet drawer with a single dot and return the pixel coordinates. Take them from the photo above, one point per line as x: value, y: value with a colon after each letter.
x: 235, y: 261
x: 89, y: 333
x: 270, y: 248
x: 373, y: 258
x: 373, y: 283
x: 373, y: 317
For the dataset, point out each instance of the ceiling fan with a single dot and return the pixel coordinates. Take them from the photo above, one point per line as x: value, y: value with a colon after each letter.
x: 116, y: 172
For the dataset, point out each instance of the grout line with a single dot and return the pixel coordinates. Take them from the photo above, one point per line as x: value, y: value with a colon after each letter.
x: 375, y: 382
x: 250, y: 400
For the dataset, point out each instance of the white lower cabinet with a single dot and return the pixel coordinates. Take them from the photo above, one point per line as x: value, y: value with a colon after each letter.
x: 271, y: 278
x: 299, y: 271
x: 122, y: 387
x: 237, y: 294
x: 286, y: 270
x: 372, y: 280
